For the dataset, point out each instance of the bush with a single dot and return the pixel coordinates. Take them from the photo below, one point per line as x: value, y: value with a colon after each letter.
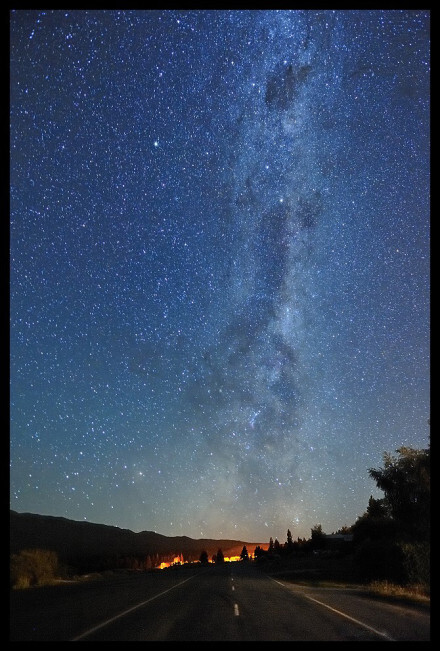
x: 33, y: 567
x: 398, y: 562
x: 380, y: 560
x: 417, y: 563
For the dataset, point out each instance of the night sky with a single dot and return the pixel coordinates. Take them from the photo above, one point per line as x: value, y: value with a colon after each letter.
x: 219, y: 266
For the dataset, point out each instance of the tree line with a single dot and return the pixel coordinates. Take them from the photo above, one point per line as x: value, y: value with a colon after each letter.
x: 390, y: 541
x: 392, y: 538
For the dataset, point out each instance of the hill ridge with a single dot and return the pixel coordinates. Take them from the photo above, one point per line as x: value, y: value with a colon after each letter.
x: 79, y: 541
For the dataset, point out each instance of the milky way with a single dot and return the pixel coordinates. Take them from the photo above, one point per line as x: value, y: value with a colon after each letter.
x: 219, y: 264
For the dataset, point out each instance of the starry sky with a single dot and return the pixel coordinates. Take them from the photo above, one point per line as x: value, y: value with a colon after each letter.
x: 219, y: 264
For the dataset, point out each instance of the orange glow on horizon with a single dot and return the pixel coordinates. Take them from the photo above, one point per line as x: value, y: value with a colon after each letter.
x: 178, y: 560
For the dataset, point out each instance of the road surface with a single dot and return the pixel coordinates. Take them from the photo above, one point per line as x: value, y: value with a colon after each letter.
x: 230, y: 602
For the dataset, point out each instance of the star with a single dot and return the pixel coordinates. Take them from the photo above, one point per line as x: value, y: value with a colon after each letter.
x: 219, y: 264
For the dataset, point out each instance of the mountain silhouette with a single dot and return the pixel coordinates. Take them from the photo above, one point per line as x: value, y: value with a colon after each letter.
x: 78, y: 543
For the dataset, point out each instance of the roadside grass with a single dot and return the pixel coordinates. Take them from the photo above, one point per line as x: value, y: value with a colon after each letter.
x: 341, y: 574
x: 409, y: 593
x: 415, y: 592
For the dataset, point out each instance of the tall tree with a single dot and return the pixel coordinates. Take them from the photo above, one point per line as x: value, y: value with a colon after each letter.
x: 405, y: 481
x: 220, y: 558
x: 289, y: 546
x: 259, y: 552
x: 318, y: 537
x: 377, y: 508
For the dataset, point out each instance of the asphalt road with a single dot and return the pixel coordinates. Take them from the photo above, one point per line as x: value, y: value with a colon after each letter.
x: 232, y: 602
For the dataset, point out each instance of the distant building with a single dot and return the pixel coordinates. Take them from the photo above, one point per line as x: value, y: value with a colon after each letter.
x: 339, y: 537
x: 338, y: 541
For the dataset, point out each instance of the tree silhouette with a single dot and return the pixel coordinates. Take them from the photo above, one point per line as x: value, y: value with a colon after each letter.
x: 259, y: 552
x: 405, y: 481
x: 289, y: 547
x: 244, y: 554
x: 377, y: 508
x: 318, y: 537
x: 391, y: 539
x: 219, y: 557
x: 204, y: 557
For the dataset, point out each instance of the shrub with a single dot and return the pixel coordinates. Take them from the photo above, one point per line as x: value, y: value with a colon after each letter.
x: 33, y: 567
x: 380, y: 560
x: 417, y: 563
x: 399, y: 562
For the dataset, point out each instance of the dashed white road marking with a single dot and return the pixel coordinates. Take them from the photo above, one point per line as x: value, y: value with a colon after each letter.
x: 236, y: 611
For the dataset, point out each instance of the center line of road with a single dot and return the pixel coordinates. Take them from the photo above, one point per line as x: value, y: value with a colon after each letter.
x: 236, y: 611
x: 129, y: 610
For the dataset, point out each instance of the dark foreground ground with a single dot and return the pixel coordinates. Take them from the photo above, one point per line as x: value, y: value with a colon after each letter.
x: 306, y: 601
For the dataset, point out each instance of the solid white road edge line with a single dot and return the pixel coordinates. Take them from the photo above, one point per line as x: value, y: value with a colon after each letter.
x: 339, y: 612
x: 129, y: 610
